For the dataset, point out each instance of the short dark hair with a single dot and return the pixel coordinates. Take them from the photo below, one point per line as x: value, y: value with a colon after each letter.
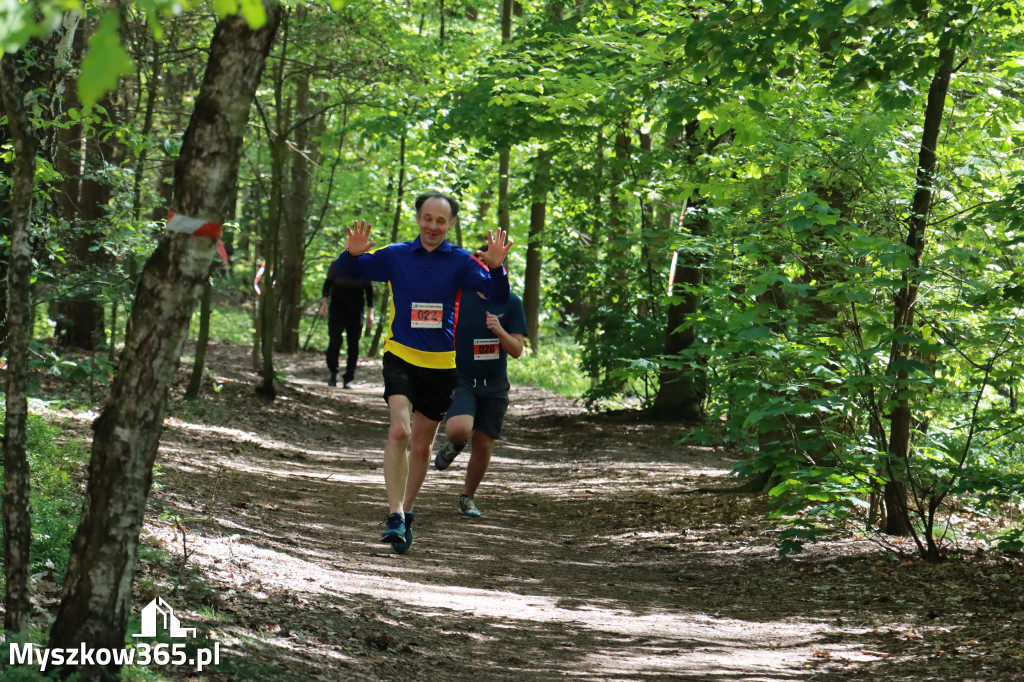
x: 434, y: 194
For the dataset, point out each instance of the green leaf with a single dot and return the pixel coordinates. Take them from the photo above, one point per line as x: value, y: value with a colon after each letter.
x: 224, y: 8
x: 860, y: 7
x: 104, y: 63
x: 251, y: 10
x: 754, y: 332
x: 254, y: 13
x: 16, y: 25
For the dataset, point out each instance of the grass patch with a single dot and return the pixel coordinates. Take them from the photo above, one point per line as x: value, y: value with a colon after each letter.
x: 57, y: 480
x: 236, y: 325
x: 555, y: 367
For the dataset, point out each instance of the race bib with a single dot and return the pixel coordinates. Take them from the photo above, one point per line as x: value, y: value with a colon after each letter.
x: 486, y: 349
x: 427, y: 315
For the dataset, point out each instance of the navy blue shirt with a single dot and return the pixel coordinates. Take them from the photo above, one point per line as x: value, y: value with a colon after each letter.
x: 478, y: 351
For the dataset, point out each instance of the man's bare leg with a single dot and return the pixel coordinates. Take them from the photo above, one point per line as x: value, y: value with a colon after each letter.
x: 423, y: 432
x: 483, y: 445
x: 458, y: 429
x: 396, y: 461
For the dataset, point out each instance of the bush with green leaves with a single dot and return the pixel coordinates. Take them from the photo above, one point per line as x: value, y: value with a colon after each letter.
x: 555, y: 366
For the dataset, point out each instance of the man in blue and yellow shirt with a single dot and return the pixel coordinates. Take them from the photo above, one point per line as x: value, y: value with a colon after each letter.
x: 425, y: 278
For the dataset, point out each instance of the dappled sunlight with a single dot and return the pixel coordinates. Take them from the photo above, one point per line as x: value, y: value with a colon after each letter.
x: 588, y: 562
x: 660, y: 640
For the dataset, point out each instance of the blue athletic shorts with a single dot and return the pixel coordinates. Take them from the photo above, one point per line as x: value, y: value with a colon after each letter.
x: 485, y: 399
x: 429, y: 390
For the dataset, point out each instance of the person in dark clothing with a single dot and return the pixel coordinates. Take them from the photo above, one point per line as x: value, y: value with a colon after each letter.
x: 486, y: 335
x: 342, y: 304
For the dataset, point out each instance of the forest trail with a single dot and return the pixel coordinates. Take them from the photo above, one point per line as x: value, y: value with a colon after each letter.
x: 587, y: 563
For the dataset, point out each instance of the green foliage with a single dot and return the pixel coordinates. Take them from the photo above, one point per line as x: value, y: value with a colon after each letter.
x: 1012, y: 540
x: 57, y: 473
x: 23, y: 21
x: 252, y: 10
x: 24, y: 673
x: 82, y: 371
x: 105, y: 62
x: 553, y: 367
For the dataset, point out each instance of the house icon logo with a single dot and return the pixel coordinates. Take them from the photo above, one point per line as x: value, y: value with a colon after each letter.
x: 159, y: 610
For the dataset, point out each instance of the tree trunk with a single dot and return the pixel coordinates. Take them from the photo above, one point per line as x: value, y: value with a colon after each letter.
x: 296, y: 212
x: 7, y: 171
x: 195, y: 382
x: 82, y: 202
x: 505, y: 152
x: 682, y: 390
x: 271, y: 244
x: 535, y: 248
x: 504, y: 160
x: 898, y: 463
x: 385, y: 300
x: 17, y: 523
x: 97, y: 589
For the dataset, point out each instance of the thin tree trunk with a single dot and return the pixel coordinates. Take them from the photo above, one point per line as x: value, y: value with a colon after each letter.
x: 17, y: 523
x: 898, y: 465
x: 383, y: 317
x: 535, y: 247
x: 682, y: 390
x: 296, y: 212
x: 97, y: 589
x: 7, y: 171
x: 272, y: 235
x: 195, y: 382
x: 83, y: 202
x: 504, y: 160
x: 505, y: 153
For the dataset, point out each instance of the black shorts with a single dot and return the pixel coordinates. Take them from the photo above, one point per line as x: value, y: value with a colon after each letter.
x: 429, y: 390
x: 485, y: 399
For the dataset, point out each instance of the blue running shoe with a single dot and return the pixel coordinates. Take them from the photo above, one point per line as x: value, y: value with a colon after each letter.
x: 445, y: 456
x: 401, y: 547
x: 394, y: 528
x: 467, y: 507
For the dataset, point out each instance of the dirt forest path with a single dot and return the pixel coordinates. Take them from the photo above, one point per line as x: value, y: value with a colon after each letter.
x: 587, y: 563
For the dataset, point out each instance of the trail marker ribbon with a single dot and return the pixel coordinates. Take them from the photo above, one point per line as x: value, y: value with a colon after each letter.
x: 197, y: 228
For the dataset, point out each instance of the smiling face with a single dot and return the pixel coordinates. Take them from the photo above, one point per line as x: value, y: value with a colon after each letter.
x: 434, y: 219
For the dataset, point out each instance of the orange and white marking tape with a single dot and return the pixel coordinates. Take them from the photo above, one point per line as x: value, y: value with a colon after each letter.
x: 259, y: 276
x: 197, y: 228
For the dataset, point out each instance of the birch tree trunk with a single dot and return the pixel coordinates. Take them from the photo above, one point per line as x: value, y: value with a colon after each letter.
x: 97, y: 590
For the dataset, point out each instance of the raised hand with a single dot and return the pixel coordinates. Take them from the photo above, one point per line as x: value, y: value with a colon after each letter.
x: 358, y: 241
x: 497, y: 247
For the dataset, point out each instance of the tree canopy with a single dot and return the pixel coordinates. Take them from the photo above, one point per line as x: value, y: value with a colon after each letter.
x: 793, y: 224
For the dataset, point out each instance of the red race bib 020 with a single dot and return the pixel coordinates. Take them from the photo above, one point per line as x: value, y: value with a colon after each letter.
x: 486, y: 349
